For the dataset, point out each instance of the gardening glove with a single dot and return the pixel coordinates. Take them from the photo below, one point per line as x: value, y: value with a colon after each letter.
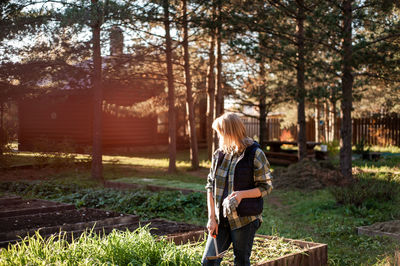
x: 229, y: 205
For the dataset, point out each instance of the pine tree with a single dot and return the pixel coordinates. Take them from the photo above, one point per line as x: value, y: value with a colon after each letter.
x: 171, y: 91
x: 189, y: 102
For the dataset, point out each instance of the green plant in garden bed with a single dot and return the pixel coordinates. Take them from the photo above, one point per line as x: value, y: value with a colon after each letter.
x: 117, y: 248
x: 165, y: 204
x: 126, y: 248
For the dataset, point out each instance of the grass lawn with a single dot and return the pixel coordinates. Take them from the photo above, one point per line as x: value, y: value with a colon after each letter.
x: 291, y: 213
x: 315, y: 216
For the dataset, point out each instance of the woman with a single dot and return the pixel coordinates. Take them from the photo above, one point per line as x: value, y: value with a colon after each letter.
x: 239, y: 177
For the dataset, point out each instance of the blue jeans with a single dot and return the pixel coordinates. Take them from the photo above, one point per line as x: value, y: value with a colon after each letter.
x: 241, y: 238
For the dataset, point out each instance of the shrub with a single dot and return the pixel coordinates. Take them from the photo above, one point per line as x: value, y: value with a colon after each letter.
x: 367, y: 190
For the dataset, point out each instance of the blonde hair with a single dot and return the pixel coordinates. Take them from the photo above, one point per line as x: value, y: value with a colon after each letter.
x: 232, y: 133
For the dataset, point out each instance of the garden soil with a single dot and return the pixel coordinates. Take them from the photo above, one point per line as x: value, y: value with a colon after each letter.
x: 27, y: 204
x: 63, y: 217
x: 26, y: 222
x: 307, y: 174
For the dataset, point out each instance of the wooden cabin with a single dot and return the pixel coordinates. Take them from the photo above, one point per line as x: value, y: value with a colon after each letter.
x: 67, y: 117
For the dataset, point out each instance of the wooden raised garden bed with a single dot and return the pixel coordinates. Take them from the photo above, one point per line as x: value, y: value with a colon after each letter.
x: 16, y: 206
x: 390, y: 229
x: 311, y: 254
x: 20, y: 218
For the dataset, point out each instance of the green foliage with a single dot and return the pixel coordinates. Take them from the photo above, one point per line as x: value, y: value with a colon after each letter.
x: 166, y: 204
x: 362, y: 147
x: 368, y: 190
x: 117, y: 248
x: 333, y: 148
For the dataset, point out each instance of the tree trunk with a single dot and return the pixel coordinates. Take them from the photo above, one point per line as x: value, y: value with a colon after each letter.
x: 334, y: 118
x: 331, y: 120
x: 327, y: 121
x: 263, y: 117
x: 219, y: 97
x: 2, y: 130
x: 171, y: 92
x: 301, y: 117
x: 347, y: 86
x: 262, y: 106
x: 97, y: 152
x: 194, y: 154
x: 317, y: 115
x: 211, y: 91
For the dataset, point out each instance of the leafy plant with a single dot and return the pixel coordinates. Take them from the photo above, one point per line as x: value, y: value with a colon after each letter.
x: 333, y: 148
x: 367, y: 191
x: 362, y: 148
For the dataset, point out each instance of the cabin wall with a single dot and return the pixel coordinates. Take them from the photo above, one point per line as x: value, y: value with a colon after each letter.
x: 68, y: 119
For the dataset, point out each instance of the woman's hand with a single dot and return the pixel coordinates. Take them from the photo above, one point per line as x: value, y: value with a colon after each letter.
x: 212, y: 226
x: 242, y: 194
x: 236, y: 194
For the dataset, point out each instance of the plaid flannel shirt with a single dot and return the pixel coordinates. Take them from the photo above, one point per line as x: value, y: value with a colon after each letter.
x: 216, y: 183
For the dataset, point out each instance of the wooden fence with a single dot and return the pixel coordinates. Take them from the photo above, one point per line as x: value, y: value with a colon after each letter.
x: 274, y: 130
x: 377, y: 130
x: 382, y: 130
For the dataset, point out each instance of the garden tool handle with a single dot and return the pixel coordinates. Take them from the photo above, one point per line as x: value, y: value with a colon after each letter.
x: 215, y: 244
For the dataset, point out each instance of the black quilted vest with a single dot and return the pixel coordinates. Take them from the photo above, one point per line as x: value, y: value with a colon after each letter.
x: 244, y: 180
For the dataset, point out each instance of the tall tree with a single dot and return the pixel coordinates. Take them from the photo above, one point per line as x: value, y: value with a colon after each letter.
x: 219, y: 95
x: 189, y: 93
x: 262, y: 106
x: 97, y: 153
x: 171, y: 91
x: 286, y: 44
x: 358, y: 47
x: 16, y: 20
x: 94, y: 15
x: 211, y: 84
x: 301, y: 91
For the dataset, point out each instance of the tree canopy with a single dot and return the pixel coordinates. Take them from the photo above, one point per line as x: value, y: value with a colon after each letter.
x: 254, y: 53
